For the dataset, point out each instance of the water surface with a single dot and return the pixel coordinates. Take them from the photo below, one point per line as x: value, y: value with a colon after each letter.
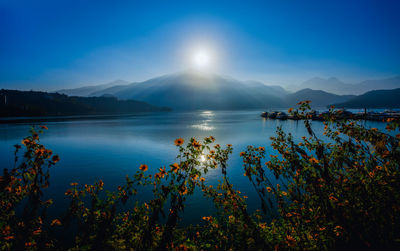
x: 109, y: 148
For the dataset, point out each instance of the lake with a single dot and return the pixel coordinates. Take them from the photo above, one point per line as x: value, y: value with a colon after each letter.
x: 109, y: 148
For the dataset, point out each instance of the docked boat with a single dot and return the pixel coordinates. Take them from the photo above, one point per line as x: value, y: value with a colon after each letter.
x: 272, y: 115
x: 282, y: 116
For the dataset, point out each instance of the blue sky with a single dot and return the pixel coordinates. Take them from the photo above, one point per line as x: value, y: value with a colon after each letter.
x: 47, y: 45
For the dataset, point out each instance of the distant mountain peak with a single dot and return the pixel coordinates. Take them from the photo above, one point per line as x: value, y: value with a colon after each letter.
x: 190, y: 90
x: 334, y: 79
x: 336, y: 86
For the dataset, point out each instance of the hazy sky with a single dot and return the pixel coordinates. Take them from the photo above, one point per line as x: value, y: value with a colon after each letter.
x: 56, y: 43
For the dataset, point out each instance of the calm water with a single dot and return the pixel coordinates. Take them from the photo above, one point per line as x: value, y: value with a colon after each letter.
x: 111, y: 148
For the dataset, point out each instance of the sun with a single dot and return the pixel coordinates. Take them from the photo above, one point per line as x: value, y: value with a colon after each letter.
x: 201, y: 59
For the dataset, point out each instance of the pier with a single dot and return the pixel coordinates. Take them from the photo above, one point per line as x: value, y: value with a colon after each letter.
x: 342, y: 114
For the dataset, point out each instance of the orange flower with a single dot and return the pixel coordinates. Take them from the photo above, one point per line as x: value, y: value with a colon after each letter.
x: 35, y: 136
x: 338, y: 230
x: 183, y: 190
x: 371, y: 174
x: 28, y: 244
x: 207, y: 218
x: 175, y: 167
x: 74, y: 184
x: 39, y: 152
x: 229, y: 145
x: 143, y: 167
x: 261, y: 148
x: 56, y: 222
x: 56, y: 158
x: 314, y: 160
x: 269, y: 189
x: 44, y: 127
x: 242, y: 154
x: 202, y: 179
x: 6, y: 230
x: 212, y: 138
x: 179, y: 141
x: 217, y: 146
x: 333, y: 198
x: 37, y: 232
x: 291, y: 242
x: 290, y: 110
x: 162, y: 172
x: 196, y: 144
x: 26, y: 142
x: 8, y: 238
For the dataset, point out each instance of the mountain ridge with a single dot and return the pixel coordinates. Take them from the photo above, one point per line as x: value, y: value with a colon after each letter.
x: 374, y: 99
x: 86, y: 90
x: 319, y: 98
x: 336, y: 86
x: 193, y: 90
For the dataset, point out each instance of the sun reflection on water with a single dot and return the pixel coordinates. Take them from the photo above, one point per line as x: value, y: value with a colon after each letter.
x: 203, y: 127
x: 205, y: 124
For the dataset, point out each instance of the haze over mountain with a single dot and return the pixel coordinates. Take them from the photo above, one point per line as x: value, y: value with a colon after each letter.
x: 336, y: 86
x: 87, y: 90
x: 194, y: 90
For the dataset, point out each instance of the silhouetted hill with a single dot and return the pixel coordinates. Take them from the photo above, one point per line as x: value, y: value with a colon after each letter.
x: 319, y: 98
x: 374, y: 99
x: 191, y: 91
x: 31, y: 103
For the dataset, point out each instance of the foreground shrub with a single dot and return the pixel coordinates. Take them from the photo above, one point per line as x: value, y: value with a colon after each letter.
x: 342, y: 191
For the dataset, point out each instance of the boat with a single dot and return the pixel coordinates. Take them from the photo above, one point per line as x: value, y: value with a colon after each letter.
x: 272, y: 115
x: 282, y: 116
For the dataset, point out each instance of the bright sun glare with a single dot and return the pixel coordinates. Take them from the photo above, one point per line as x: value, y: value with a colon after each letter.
x: 201, y: 59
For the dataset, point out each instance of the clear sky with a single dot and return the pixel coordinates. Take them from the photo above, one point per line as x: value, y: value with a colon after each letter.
x: 52, y: 44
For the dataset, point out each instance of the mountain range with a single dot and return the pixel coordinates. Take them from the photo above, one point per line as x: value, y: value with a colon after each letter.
x: 374, y: 99
x: 336, y: 86
x: 192, y: 90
